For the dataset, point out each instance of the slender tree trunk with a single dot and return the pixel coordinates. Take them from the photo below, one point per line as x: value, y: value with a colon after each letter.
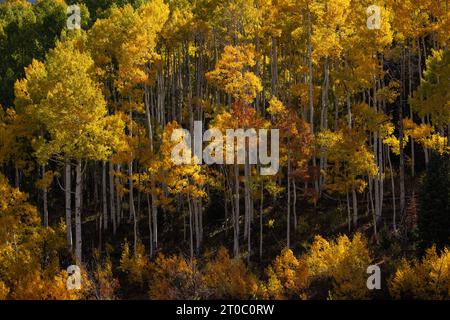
x: 288, y: 214
x: 104, y: 198
x: 132, y: 208
x: 419, y: 67
x: 294, y: 205
x: 310, y: 92
x: 191, y: 235
x: 249, y: 243
x: 150, y: 229
x: 248, y: 202
x: 100, y: 235
x: 118, y: 197
x: 257, y: 73
x: 349, y: 110
x: 394, y: 218
x: 374, y: 215
x: 378, y: 160
x: 196, y: 226
x: 200, y: 219
x: 349, y: 216
x: 274, y: 64
x: 411, y: 116
x: 401, y: 139
x: 324, y: 116
x: 355, y: 208
x: 68, y: 201
x: 152, y: 179
x: 381, y: 177
x: 261, y: 211
x: 78, y: 188
x: 155, y: 214
x: 17, y: 177
x: 112, y: 197
x: 310, y: 67
x: 236, y: 208
x: 44, y: 199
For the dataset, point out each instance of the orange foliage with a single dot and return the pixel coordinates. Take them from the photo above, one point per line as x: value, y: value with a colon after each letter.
x: 288, y: 276
x: 226, y: 278
x: 173, y: 278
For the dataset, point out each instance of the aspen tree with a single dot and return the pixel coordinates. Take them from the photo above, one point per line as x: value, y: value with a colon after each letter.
x: 72, y: 112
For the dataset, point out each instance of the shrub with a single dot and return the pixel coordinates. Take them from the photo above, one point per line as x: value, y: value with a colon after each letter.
x: 24, y: 274
x: 344, y: 262
x: 287, y: 277
x: 425, y: 279
x: 226, y: 278
x: 173, y: 278
x: 135, y: 266
x: 3, y: 291
x: 105, y: 283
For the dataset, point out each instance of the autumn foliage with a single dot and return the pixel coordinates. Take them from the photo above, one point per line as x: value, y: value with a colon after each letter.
x: 349, y: 118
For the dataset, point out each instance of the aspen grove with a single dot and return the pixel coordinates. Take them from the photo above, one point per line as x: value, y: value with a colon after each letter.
x: 346, y: 102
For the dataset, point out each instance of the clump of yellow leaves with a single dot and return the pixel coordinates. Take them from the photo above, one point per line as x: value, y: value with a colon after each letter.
x: 432, y: 97
x: 425, y: 279
x: 287, y: 277
x: 135, y: 266
x: 226, y: 278
x: 173, y: 278
x: 345, y: 262
x: 352, y: 160
x: 339, y: 266
x: 230, y: 74
x: 424, y: 135
x: 23, y: 243
x: 3, y: 291
x: 128, y: 36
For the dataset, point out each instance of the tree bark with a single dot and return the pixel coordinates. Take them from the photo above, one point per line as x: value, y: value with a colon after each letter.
x: 394, y: 218
x: 112, y: 197
x: 150, y: 225
x: 401, y: 139
x: 132, y: 208
x: 261, y: 211
x: 104, y: 198
x: 355, y: 208
x: 191, y: 235
x: 288, y: 213
x: 44, y: 200
x: 78, y: 188
x: 236, y: 213
x: 68, y: 201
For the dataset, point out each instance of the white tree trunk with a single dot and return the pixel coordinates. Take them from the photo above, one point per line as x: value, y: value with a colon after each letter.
x: 394, y: 217
x: 112, y: 196
x: 78, y: 239
x: 44, y: 199
x: 132, y: 208
x: 191, y: 235
x: 150, y: 225
x: 355, y: 208
x: 261, y: 211
x: 294, y: 204
x: 118, y: 198
x: 104, y: 198
x: 68, y: 201
x: 288, y: 214
x: 236, y: 211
